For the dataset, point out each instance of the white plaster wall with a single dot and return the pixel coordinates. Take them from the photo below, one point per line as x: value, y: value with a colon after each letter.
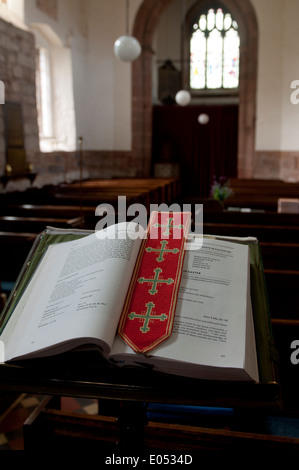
x: 269, y: 80
x: 68, y: 55
x: 278, y: 65
x: 167, y: 42
x: 290, y: 111
x: 101, y: 83
x: 13, y: 12
x: 167, y: 39
x: 107, y: 121
x: 107, y: 91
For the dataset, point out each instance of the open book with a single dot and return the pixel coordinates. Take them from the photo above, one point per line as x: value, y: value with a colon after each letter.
x: 78, y: 288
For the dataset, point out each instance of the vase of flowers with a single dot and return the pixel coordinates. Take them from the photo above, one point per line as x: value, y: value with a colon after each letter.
x: 221, y: 190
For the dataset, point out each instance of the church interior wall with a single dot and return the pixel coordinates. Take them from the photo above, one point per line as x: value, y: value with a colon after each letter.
x: 102, y: 90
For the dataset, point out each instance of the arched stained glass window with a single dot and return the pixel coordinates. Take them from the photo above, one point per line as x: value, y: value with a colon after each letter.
x: 214, y: 51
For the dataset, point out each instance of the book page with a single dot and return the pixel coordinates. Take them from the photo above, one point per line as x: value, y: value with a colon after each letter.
x: 77, y: 292
x: 211, y: 301
x: 210, y: 321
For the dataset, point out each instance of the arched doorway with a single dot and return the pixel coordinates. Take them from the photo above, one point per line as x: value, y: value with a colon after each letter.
x: 144, y: 27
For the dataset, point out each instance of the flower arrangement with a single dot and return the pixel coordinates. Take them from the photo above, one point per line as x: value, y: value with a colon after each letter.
x: 221, y: 189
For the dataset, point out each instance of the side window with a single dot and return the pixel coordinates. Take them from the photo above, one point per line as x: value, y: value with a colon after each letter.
x: 214, y: 51
x: 44, y: 93
x: 54, y: 91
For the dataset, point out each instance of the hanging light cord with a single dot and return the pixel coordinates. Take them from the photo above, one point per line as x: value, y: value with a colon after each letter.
x: 183, y: 29
x: 127, y: 17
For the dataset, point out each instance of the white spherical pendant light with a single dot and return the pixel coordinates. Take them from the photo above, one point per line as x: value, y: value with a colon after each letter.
x: 203, y: 119
x: 127, y: 48
x: 183, y: 97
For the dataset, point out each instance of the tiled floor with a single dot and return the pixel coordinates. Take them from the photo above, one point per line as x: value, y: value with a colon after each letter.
x: 18, y: 408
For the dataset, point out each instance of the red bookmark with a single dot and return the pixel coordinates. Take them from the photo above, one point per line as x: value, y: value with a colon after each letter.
x: 149, y: 310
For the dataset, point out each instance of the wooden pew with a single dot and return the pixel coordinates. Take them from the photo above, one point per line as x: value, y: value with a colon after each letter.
x: 43, y: 210
x: 64, y: 206
x: 283, y: 293
x: 285, y: 331
x: 86, y: 214
x: 145, y: 191
x: 263, y: 218
x: 17, y: 235
x: 159, y: 189
x: 281, y: 266
x: 280, y: 255
x: 14, y: 248
x: 36, y: 224
x: 16, y: 238
x: 266, y: 226
x: 260, y: 193
x: 95, y: 192
x: 275, y: 233
x: 50, y: 427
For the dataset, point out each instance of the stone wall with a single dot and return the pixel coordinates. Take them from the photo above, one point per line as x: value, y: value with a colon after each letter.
x: 17, y: 72
x: 276, y: 165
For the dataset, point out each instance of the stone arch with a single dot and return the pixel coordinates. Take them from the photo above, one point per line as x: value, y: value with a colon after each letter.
x: 144, y: 27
